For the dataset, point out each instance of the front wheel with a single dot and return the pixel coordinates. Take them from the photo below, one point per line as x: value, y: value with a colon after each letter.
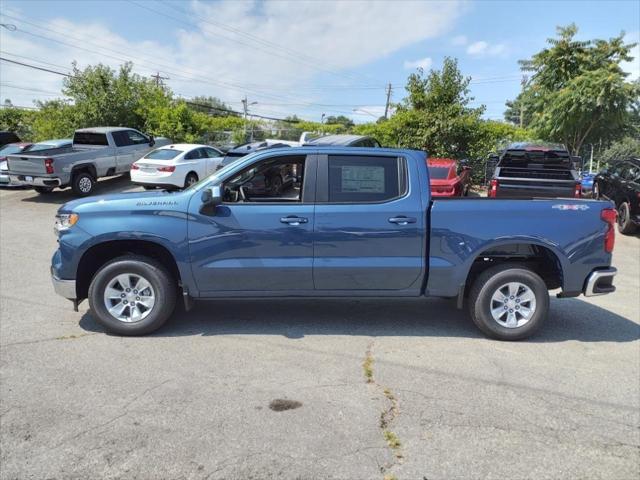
x: 132, y: 295
x: 625, y: 225
x: 508, y: 302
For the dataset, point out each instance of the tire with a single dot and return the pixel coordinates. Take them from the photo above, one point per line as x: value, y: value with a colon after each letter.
x: 43, y: 190
x: 83, y: 183
x: 190, y: 179
x: 496, y: 282
x: 160, y: 296
x: 625, y: 225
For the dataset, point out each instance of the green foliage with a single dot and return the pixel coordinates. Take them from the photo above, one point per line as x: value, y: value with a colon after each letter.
x: 627, y: 147
x: 211, y: 105
x: 339, y: 120
x: 17, y: 120
x: 578, y: 92
x: 55, y: 119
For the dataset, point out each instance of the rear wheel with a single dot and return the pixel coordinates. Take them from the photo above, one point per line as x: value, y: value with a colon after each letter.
x: 43, y: 190
x: 190, y: 179
x: 83, y: 183
x: 508, y: 302
x: 132, y: 295
x: 625, y: 225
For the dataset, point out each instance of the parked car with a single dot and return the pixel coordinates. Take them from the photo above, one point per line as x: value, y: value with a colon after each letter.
x: 252, y: 147
x: 8, y: 137
x: 586, y: 184
x: 528, y: 170
x: 620, y: 183
x: 344, y: 141
x: 15, y: 148
x: 448, y: 177
x: 362, y: 224
x: 175, y: 166
x: 95, y: 153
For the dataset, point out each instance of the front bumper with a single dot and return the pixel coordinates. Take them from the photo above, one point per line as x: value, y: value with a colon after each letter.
x: 64, y: 288
x: 600, y: 282
x: 29, y: 180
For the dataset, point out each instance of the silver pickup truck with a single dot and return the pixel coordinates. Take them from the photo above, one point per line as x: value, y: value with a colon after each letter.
x: 95, y: 153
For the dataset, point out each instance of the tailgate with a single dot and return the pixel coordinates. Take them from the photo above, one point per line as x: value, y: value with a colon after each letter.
x: 517, y: 188
x: 26, y: 164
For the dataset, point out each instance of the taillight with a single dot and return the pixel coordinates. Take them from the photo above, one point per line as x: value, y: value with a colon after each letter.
x: 493, y: 189
x: 48, y: 165
x: 171, y: 168
x: 609, y: 215
x: 135, y: 166
x: 577, y: 192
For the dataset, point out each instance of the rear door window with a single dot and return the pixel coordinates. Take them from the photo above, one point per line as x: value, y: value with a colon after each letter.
x: 163, y: 154
x: 356, y: 179
x: 90, y: 138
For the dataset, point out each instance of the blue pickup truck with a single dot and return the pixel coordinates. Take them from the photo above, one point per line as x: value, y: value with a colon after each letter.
x: 350, y: 222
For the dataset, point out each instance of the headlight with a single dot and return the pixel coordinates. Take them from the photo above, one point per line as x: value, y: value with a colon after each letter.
x: 64, y: 221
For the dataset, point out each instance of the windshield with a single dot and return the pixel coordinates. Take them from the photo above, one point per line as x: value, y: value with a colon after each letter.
x: 9, y: 149
x: 163, y: 154
x: 438, y: 173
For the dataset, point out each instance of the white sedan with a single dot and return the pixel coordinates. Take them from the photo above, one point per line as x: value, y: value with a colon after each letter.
x: 179, y: 165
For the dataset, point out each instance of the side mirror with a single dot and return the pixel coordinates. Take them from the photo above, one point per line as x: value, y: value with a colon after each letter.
x: 212, y: 196
x: 152, y: 141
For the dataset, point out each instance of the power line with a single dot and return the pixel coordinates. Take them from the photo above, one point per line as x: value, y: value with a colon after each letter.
x: 35, y: 67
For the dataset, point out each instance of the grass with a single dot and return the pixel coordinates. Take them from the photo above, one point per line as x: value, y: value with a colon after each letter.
x: 367, y: 367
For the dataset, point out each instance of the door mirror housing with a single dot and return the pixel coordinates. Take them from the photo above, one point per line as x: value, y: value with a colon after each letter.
x: 212, y: 196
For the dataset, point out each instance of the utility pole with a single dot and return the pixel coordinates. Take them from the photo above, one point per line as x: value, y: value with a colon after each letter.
x: 523, y: 82
x: 159, y: 79
x: 386, y: 107
x: 591, y: 160
x: 245, y: 110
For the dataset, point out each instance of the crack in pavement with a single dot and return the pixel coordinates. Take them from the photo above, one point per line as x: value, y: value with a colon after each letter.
x: 387, y: 416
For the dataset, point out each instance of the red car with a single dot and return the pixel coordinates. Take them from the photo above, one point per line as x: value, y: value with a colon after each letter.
x: 448, y: 177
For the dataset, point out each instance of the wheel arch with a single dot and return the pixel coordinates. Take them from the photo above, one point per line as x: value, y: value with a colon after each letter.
x: 99, y: 254
x: 542, y: 257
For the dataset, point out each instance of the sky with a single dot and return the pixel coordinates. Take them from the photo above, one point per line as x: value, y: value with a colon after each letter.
x: 295, y: 57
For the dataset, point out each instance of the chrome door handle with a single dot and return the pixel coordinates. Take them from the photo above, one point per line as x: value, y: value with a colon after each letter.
x: 402, y: 220
x: 291, y: 220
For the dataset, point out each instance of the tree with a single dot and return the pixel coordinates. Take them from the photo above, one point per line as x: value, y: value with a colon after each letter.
x: 578, y: 92
x: 103, y: 97
x: 436, y: 115
x: 17, y: 120
x: 517, y: 110
x: 628, y: 147
x: 211, y: 105
x: 340, y: 120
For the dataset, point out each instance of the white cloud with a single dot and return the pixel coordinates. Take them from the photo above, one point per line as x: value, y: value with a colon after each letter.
x: 423, y: 63
x: 484, y: 49
x: 299, y: 43
x: 459, y: 40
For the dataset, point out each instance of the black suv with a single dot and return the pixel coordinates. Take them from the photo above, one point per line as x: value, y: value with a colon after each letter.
x: 620, y: 183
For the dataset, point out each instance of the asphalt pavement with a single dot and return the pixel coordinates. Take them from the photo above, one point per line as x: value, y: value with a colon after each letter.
x: 305, y: 389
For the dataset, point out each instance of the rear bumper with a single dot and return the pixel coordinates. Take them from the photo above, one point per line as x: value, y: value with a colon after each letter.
x: 35, y: 181
x: 600, y: 282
